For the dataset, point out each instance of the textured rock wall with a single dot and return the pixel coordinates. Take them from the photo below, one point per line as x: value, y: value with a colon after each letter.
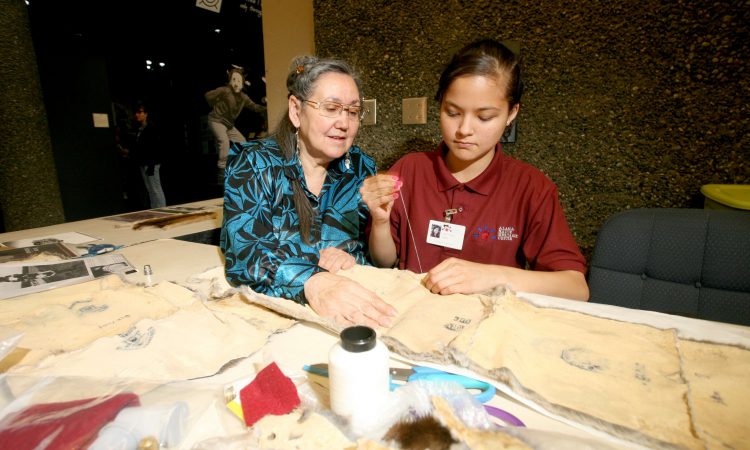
x: 627, y: 104
x: 29, y: 192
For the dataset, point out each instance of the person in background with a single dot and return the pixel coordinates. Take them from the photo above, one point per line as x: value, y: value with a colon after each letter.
x: 134, y: 192
x: 293, y: 216
x: 144, y: 148
x: 227, y: 102
x: 502, y: 222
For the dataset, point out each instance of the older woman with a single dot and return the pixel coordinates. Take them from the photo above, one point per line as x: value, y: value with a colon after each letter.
x: 293, y: 215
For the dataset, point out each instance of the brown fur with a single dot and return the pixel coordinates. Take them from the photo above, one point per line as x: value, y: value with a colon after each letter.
x: 164, y: 222
x: 423, y: 433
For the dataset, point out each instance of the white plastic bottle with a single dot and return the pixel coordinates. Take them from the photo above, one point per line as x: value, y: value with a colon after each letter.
x: 359, y: 378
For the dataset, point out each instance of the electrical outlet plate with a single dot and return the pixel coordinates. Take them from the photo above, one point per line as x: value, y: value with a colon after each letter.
x: 414, y: 110
x: 371, y: 118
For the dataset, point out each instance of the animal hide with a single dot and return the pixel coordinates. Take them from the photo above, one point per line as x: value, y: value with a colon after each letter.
x: 633, y: 381
x: 177, y: 219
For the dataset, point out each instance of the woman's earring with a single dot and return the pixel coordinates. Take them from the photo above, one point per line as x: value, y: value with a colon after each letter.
x: 296, y: 141
x: 347, y: 161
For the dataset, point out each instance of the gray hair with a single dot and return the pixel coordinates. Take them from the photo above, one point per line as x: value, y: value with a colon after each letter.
x: 303, y: 75
x: 306, y: 70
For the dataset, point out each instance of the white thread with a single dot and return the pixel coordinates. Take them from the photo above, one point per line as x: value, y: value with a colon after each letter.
x: 359, y: 379
x: 413, y: 241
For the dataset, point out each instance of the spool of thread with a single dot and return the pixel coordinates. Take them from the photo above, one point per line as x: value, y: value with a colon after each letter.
x: 359, y: 378
x: 147, y: 272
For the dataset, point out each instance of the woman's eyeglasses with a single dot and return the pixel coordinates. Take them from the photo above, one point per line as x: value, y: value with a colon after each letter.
x: 333, y: 109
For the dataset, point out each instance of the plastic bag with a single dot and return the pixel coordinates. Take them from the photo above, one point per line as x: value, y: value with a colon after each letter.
x: 8, y: 341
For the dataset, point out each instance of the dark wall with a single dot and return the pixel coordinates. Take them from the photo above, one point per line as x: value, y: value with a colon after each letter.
x: 628, y: 104
x: 87, y: 166
x: 92, y: 59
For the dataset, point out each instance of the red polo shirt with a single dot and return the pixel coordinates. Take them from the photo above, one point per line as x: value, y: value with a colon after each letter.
x: 511, y: 213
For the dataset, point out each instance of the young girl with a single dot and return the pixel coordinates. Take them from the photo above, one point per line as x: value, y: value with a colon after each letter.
x: 500, y: 219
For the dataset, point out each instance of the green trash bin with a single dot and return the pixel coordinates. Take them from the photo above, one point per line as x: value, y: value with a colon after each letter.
x: 726, y: 196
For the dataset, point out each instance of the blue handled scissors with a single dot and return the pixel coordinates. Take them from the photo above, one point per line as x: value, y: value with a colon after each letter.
x: 487, y: 391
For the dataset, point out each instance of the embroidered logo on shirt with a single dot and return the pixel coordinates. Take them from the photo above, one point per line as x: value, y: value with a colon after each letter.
x: 506, y: 233
x: 484, y: 233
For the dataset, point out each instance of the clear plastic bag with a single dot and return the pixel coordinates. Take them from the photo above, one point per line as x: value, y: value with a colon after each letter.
x: 122, y: 412
x: 8, y: 341
x: 413, y: 400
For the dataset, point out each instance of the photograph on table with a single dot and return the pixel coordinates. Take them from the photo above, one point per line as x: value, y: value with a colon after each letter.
x: 56, y: 250
x: 20, y: 279
x: 72, y: 237
x: 16, y: 279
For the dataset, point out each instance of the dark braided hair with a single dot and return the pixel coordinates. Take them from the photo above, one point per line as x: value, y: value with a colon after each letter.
x: 487, y: 58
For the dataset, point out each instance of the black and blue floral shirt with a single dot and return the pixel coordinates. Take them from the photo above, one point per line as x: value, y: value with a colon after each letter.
x: 260, y: 234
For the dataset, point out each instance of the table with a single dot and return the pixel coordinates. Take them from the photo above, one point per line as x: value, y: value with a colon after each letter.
x: 122, y: 233
x: 176, y: 261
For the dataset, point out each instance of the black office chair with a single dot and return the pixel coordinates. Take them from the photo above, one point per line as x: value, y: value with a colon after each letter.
x: 691, y: 262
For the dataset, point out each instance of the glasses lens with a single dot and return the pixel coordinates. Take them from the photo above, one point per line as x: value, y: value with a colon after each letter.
x: 333, y: 109
x: 355, y: 112
x: 330, y: 109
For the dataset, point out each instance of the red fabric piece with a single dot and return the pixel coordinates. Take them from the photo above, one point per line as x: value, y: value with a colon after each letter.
x: 271, y: 392
x: 67, y: 425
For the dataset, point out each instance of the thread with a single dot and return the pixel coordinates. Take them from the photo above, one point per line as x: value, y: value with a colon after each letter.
x: 413, y: 241
x: 359, y: 378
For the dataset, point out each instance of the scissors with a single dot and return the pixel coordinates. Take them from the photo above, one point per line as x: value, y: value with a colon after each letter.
x: 487, y: 391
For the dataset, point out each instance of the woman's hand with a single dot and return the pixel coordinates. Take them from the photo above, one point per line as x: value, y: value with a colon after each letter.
x: 379, y: 192
x: 333, y: 259
x: 347, y: 302
x: 458, y: 276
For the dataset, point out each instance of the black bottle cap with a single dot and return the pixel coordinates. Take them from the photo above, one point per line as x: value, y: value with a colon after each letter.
x: 358, y: 339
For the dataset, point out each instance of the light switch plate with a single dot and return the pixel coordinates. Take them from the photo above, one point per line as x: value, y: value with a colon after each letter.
x: 371, y: 118
x: 414, y: 110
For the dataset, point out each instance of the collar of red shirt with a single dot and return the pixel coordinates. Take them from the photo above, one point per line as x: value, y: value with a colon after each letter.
x: 482, y: 184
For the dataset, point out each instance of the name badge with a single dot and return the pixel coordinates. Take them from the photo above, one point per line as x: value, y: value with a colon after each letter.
x: 446, y: 234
